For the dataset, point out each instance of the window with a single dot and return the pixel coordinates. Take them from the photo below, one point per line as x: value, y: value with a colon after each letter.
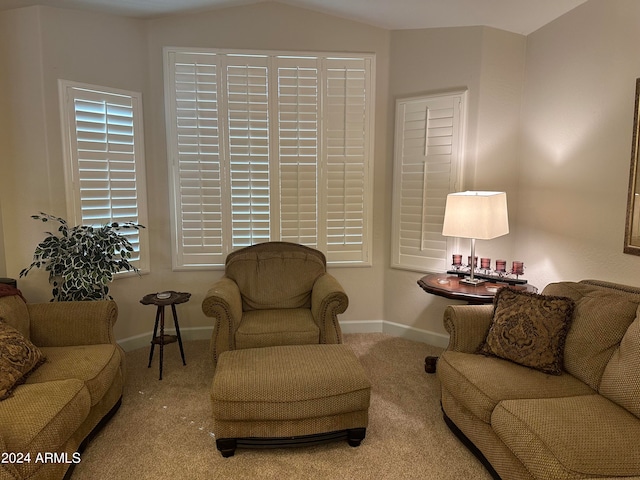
x: 269, y: 146
x: 104, y: 160
x: 429, y: 141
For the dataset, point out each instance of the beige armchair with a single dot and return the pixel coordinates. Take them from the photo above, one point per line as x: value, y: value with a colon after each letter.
x: 274, y: 293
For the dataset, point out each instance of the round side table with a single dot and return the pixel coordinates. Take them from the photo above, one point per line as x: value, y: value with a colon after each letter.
x: 161, y: 300
x: 449, y: 286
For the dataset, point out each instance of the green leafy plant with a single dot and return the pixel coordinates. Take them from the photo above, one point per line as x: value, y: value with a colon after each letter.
x: 82, y: 260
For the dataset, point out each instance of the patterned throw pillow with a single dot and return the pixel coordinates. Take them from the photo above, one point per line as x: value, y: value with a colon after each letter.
x: 18, y: 358
x: 529, y: 329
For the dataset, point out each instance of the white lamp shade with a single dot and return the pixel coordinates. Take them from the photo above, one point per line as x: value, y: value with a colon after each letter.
x: 479, y: 215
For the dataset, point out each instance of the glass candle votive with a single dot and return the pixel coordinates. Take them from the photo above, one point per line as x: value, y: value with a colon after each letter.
x: 485, y: 263
x: 518, y: 268
x: 501, y: 265
x: 457, y: 260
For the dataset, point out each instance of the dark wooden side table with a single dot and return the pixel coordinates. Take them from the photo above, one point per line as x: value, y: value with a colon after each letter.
x: 162, y: 300
x: 449, y: 286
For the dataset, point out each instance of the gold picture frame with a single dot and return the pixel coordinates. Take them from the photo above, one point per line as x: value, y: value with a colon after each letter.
x: 632, y: 225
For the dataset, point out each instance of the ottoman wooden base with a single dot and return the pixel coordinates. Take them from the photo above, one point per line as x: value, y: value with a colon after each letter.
x: 289, y: 395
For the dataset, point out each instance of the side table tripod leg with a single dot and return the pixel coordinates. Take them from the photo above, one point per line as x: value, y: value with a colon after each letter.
x: 161, y: 339
x: 175, y: 321
x: 155, y: 332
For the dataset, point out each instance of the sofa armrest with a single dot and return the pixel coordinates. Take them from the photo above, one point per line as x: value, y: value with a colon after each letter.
x: 224, y: 303
x: 328, y: 299
x: 60, y: 324
x: 467, y: 326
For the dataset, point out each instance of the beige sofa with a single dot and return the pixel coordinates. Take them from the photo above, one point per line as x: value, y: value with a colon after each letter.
x: 526, y: 424
x: 46, y: 421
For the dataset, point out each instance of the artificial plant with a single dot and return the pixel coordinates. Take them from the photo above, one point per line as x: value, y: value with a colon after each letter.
x: 82, y: 260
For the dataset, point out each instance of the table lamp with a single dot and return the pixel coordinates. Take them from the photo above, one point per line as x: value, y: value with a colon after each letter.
x: 475, y: 215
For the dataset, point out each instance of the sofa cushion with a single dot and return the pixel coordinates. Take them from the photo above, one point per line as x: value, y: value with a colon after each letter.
x: 269, y: 328
x: 275, y: 279
x: 18, y: 358
x: 95, y: 365
x: 13, y: 310
x: 479, y: 383
x: 529, y: 329
x: 600, y: 319
x: 621, y: 378
x: 41, y: 417
x: 572, y: 437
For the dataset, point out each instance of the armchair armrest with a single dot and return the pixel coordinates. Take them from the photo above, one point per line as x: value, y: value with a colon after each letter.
x: 224, y: 303
x: 328, y: 299
x: 59, y: 324
x: 467, y: 326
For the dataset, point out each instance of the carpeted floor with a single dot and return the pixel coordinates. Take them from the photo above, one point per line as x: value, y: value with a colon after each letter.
x: 164, y: 428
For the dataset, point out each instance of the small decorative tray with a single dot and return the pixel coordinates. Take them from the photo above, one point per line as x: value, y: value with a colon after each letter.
x: 490, y: 276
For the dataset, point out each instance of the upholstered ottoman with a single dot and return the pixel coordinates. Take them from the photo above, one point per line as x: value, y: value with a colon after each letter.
x: 289, y: 395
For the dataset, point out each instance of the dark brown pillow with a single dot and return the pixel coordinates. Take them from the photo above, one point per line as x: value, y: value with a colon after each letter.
x: 18, y: 358
x: 529, y: 329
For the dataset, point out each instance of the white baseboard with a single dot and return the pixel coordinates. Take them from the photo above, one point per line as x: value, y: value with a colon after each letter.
x: 417, y: 334
x: 366, y: 326
x: 144, y: 340
x: 350, y: 326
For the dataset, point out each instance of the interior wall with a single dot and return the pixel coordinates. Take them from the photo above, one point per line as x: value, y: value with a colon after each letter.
x: 266, y: 26
x: 576, y: 145
x: 489, y: 63
x: 127, y: 53
x: 23, y: 183
x: 47, y: 44
x: 567, y: 184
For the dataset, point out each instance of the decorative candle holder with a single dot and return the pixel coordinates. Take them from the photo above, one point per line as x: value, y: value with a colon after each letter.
x: 517, y: 268
x: 483, y: 269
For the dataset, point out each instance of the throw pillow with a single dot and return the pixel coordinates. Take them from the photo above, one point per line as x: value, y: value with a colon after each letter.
x: 18, y: 358
x: 529, y: 329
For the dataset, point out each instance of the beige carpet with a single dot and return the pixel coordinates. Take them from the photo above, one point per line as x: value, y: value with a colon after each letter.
x: 163, y: 429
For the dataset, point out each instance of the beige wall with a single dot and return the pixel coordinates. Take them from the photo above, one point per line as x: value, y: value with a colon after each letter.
x: 125, y: 53
x: 555, y: 135
x: 44, y: 45
x: 576, y: 145
x: 488, y: 63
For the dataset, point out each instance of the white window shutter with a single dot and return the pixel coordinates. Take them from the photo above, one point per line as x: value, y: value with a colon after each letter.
x: 298, y: 149
x: 427, y: 166
x: 104, y: 159
x: 347, y: 146
x: 269, y: 146
x: 248, y: 151
x: 195, y: 158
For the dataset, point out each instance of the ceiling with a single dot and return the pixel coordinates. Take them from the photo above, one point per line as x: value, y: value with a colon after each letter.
x: 519, y: 16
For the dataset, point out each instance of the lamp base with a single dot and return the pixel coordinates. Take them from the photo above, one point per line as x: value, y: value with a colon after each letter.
x: 472, y: 281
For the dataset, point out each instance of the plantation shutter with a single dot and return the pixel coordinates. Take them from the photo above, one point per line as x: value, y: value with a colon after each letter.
x: 298, y: 149
x: 248, y: 123
x: 428, y: 154
x: 105, y: 159
x: 197, y: 186
x: 266, y: 147
x: 347, y: 148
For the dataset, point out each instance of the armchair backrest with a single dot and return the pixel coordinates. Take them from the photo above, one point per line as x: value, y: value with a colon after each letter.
x: 275, y: 274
